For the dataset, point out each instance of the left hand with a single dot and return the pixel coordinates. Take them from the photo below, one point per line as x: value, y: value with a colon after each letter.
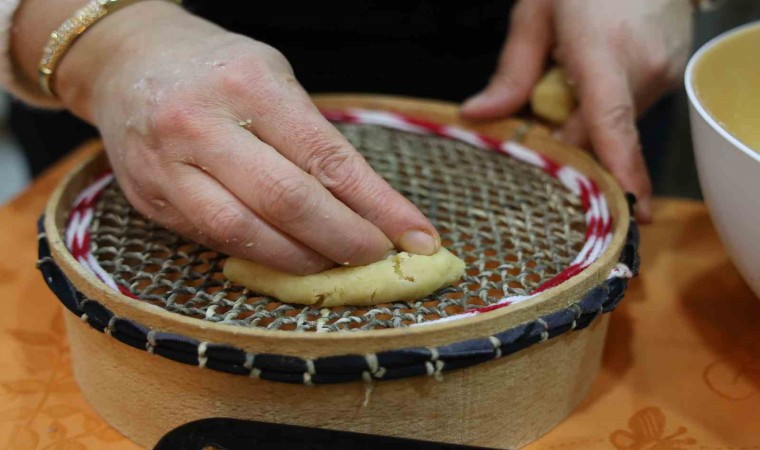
x: 620, y: 56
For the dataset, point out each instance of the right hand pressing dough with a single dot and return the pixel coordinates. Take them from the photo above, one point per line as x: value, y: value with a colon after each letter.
x: 402, y: 276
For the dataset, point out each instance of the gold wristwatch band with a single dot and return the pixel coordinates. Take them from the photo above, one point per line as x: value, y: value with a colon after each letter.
x: 62, y: 38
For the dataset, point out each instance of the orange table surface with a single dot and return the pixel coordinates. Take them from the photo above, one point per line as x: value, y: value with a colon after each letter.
x: 681, y: 367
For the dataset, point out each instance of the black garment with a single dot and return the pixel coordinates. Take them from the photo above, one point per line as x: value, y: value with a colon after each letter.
x: 414, y: 48
x: 421, y: 49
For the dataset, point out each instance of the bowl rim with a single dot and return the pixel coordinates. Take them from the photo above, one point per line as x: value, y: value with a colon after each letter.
x: 694, y: 98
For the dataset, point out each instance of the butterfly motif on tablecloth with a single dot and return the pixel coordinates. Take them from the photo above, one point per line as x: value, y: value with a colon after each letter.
x: 647, y: 431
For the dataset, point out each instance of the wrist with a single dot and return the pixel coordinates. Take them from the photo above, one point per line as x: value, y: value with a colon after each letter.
x: 104, y: 49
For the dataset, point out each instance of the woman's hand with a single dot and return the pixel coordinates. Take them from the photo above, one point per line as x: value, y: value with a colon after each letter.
x: 210, y: 134
x: 620, y: 56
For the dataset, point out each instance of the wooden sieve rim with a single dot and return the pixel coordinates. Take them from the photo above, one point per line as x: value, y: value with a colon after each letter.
x: 325, y: 344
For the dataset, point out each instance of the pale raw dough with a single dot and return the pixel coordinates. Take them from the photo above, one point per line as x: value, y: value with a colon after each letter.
x: 553, y: 98
x: 402, y: 276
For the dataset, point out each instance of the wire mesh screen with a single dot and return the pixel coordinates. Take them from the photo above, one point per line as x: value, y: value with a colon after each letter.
x: 514, y: 226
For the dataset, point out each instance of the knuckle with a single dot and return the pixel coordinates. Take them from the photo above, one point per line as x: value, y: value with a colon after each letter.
x: 258, y: 74
x: 252, y: 80
x: 225, y: 223
x: 179, y: 116
x: 267, y: 52
x: 240, y: 81
x: 288, y: 199
x: 252, y: 72
x: 332, y: 164
x: 619, y: 118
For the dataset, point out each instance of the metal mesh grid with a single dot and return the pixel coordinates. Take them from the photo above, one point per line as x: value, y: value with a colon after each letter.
x: 514, y: 225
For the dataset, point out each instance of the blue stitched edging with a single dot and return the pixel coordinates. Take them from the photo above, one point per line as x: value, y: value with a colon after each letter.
x: 386, y: 365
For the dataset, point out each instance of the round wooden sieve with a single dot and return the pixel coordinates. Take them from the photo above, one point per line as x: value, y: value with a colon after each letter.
x: 544, y: 232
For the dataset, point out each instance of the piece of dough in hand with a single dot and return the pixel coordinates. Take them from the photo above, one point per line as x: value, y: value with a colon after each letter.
x: 553, y: 98
x: 399, y: 277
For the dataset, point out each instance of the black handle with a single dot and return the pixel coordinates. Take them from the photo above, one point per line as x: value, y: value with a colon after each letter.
x: 235, y: 434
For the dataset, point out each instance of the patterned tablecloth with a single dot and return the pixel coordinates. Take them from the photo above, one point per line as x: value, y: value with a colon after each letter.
x: 681, y: 367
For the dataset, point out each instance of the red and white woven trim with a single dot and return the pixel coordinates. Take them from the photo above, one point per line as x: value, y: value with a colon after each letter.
x: 598, y: 219
x: 78, y: 232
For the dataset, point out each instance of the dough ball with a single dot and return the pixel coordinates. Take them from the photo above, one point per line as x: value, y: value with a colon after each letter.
x: 402, y: 276
x: 553, y: 98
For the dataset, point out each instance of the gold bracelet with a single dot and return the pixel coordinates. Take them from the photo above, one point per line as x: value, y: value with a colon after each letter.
x: 61, y: 39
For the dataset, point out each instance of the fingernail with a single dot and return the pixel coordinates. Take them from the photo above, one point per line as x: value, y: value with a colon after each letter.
x: 419, y: 242
x: 558, y: 135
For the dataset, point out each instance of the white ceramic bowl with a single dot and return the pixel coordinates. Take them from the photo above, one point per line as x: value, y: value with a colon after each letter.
x: 729, y: 170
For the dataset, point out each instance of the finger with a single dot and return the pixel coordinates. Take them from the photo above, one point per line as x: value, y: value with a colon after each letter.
x: 609, y: 112
x: 520, y: 65
x: 296, y: 128
x: 291, y: 200
x: 248, y: 236
x: 573, y: 131
x: 150, y: 202
x: 213, y: 216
